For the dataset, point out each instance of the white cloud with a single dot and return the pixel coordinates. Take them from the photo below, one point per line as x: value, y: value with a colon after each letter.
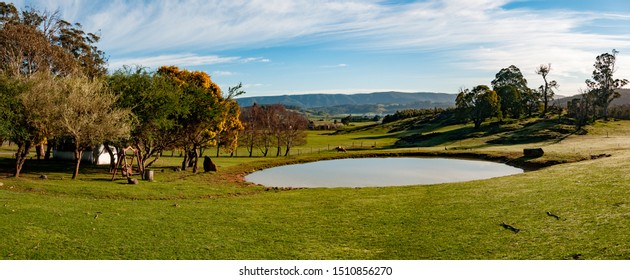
x: 473, y: 34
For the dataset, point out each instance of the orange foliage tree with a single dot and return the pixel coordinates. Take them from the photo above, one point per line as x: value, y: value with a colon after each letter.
x: 211, y: 117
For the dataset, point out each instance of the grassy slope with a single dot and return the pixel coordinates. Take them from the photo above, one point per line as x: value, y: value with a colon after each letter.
x: 209, y: 216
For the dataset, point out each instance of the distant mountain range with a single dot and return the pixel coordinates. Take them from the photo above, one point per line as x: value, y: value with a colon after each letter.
x: 362, y: 103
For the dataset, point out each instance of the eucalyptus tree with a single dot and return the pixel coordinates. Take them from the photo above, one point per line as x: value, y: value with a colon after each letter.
x: 478, y: 104
x: 603, y: 86
x: 512, y: 89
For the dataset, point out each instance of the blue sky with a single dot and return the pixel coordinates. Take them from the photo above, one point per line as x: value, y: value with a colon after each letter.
x: 277, y: 47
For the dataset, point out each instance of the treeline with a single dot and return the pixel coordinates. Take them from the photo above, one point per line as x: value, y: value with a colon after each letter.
x: 54, y: 87
x: 411, y: 113
x: 268, y: 126
x: 510, y: 96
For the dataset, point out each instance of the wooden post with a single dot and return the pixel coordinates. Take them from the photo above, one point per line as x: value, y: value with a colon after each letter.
x: 148, y: 175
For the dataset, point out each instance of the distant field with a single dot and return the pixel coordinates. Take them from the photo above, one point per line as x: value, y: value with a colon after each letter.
x: 218, y: 216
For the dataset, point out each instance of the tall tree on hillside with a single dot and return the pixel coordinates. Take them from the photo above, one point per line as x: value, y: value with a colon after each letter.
x: 546, y: 90
x: 512, y: 89
x: 478, y: 104
x: 604, y: 86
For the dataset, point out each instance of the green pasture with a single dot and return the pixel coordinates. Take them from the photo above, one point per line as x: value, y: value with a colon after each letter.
x: 218, y: 216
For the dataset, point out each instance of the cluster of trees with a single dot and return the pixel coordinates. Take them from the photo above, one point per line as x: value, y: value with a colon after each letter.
x: 54, y: 85
x: 510, y: 95
x: 594, y: 102
x: 176, y: 109
x: 51, y: 84
x: 267, y: 126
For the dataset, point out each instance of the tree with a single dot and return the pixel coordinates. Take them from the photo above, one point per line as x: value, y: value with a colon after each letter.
x: 230, y: 126
x: 157, y: 106
x: 546, y: 90
x: 88, y: 116
x: 294, y: 130
x: 250, y: 134
x: 478, y: 104
x: 604, y: 86
x: 208, y: 107
x: 33, y: 41
x: 512, y: 89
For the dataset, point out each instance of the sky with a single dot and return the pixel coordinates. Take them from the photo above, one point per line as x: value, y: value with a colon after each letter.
x: 277, y: 47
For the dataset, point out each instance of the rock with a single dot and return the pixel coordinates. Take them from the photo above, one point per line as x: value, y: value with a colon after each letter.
x: 43, y: 177
x: 533, y: 152
x: 208, y: 165
x: 132, y: 181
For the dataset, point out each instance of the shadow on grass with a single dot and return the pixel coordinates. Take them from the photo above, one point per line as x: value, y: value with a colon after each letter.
x: 536, y: 131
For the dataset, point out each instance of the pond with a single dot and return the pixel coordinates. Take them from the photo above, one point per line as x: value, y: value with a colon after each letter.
x: 379, y: 172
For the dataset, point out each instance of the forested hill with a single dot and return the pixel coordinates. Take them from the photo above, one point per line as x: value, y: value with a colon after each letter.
x: 307, y: 101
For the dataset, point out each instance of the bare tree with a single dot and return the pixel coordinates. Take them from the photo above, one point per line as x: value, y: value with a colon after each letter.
x: 546, y: 90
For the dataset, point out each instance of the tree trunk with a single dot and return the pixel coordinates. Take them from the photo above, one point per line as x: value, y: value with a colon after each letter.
x: 185, y: 161
x: 49, y: 147
x: 112, y: 161
x: 20, y: 157
x: 195, y: 160
x: 78, y: 154
x: 39, y: 151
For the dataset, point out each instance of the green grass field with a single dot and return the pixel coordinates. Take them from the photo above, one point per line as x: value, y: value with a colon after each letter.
x: 218, y: 216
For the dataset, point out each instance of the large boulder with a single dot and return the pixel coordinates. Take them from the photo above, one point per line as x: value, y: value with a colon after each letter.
x: 533, y: 152
x: 208, y: 165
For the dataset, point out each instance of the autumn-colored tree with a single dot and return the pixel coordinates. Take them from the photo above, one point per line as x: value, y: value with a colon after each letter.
x: 294, y: 130
x: 210, y: 113
x: 230, y: 126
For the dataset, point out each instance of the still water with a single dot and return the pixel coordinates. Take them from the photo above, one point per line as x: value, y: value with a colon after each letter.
x: 379, y: 172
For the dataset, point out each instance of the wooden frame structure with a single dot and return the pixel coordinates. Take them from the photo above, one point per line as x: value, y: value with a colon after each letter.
x: 126, y: 167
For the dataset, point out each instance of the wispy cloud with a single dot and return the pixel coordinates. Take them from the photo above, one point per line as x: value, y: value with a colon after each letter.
x: 223, y: 73
x: 186, y: 59
x: 340, y: 65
